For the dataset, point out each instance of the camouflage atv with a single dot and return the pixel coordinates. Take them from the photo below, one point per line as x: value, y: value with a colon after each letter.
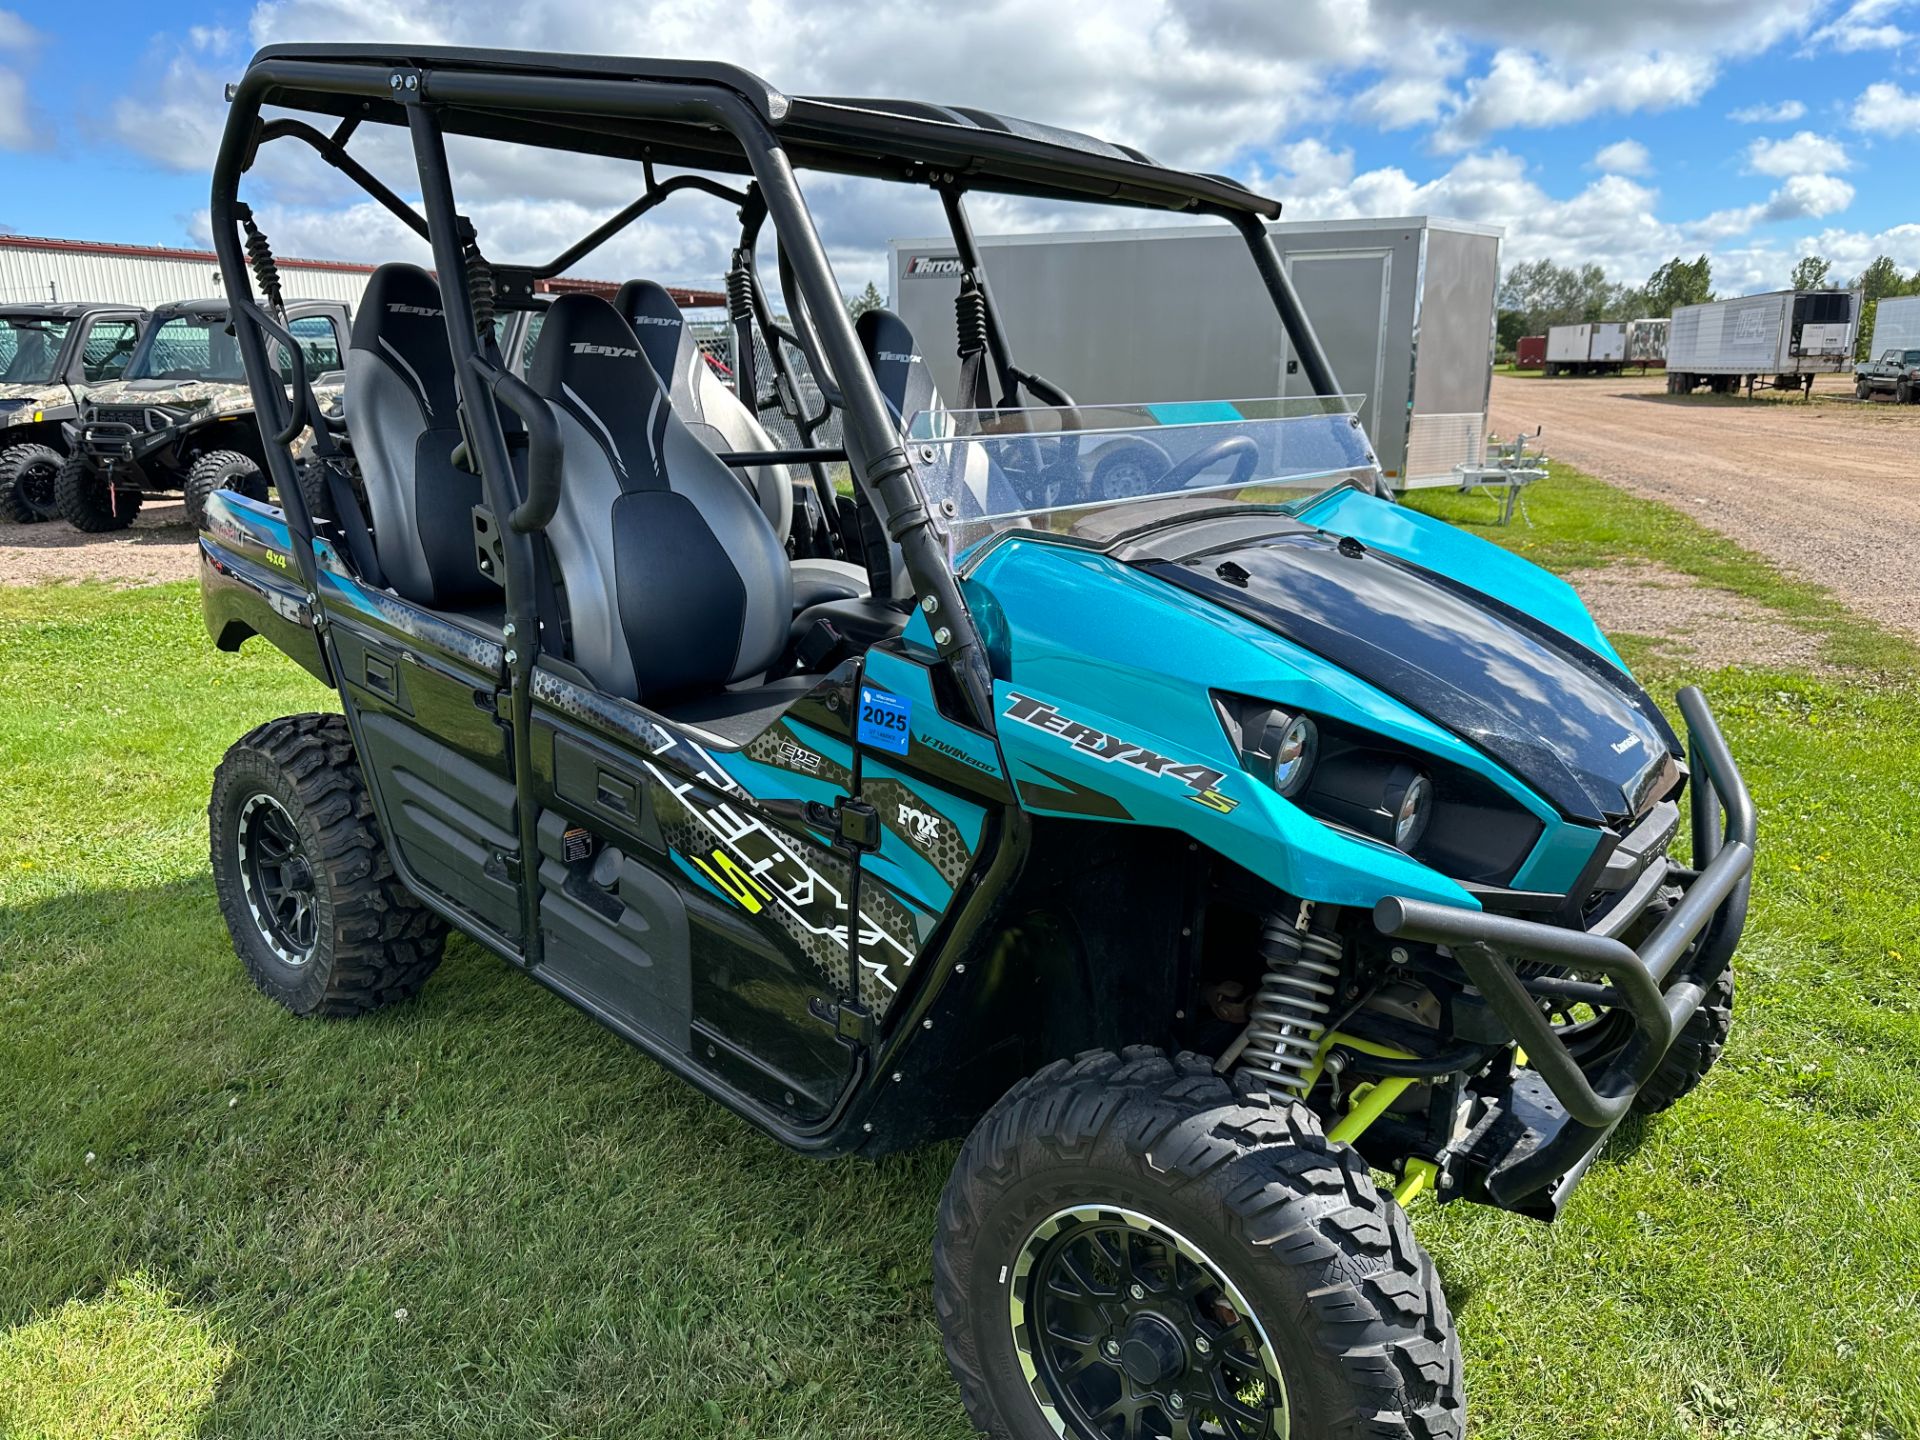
x: 182, y: 419
x: 49, y: 356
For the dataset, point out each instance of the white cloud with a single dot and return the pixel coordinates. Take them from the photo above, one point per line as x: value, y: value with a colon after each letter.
x: 178, y: 121
x: 1779, y: 114
x: 1851, y: 251
x: 1863, y: 25
x: 18, y: 127
x: 1802, y: 153
x: 1399, y: 102
x: 1885, y: 109
x: 1524, y: 91
x: 1623, y: 157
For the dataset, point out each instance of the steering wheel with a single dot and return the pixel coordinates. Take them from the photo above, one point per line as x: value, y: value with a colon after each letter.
x: 1245, y: 456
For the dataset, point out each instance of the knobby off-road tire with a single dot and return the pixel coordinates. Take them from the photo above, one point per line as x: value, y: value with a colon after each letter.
x: 28, y: 475
x: 327, y: 929
x: 87, y: 502
x: 221, y: 470
x: 1349, y: 1304
x: 1695, y: 1050
x: 312, y: 475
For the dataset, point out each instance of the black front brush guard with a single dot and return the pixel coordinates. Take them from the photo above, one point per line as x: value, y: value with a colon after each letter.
x: 1660, y: 985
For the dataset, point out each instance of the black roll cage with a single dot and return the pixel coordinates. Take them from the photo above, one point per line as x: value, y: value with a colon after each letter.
x: 707, y: 117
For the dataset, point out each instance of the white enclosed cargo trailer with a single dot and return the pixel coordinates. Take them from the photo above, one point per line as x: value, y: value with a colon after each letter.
x: 1403, y: 307
x: 1596, y: 349
x: 1782, y: 339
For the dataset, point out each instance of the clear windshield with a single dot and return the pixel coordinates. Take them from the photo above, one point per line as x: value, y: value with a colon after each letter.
x: 1093, y: 473
x: 189, y: 347
x: 30, y: 349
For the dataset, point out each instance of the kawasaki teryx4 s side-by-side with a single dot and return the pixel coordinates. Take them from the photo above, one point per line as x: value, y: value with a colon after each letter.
x: 182, y: 418
x: 1227, y: 852
x: 51, y: 356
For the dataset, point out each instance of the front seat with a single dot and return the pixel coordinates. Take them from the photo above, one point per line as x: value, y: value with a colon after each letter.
x: 708, y: 407
x: 405, y: 408
x: 675, y: 581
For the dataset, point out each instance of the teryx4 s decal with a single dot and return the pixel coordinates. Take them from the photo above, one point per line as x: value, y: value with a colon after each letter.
x: 1202, y: 782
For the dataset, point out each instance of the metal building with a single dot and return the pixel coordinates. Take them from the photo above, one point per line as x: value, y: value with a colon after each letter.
x: 1404, y: 307
x: 32, y: 268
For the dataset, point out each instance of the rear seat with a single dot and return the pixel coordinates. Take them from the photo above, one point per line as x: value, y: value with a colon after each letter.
x: 709, y: 408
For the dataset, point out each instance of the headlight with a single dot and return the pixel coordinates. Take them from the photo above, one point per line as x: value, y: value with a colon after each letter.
x: 1377, y: 795
x: 1275, y: 745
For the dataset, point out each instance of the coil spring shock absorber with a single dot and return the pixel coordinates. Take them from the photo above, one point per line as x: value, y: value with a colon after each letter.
x: 970, y: 318
x: 739, y: 290
x: 1289, y: 1014
x: 480, y: 293
x: 266, y: 269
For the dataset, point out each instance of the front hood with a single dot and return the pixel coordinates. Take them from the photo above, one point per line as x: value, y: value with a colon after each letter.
x: 1558, y: 716
x: 218, y: 394
x: 41, y: 393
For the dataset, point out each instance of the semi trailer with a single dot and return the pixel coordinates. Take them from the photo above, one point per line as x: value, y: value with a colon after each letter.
x: 1781, y: 340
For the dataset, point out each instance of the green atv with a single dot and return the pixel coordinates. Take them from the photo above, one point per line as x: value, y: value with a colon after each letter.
x: 50, y: 354
x: 182, y: 419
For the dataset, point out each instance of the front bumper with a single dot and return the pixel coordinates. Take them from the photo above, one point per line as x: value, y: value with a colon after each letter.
x: 1554, y: 1124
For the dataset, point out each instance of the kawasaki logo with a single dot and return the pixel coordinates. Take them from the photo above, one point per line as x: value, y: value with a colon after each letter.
x: 581, y: 347
x: 935, y: 267
x: 397, y: 309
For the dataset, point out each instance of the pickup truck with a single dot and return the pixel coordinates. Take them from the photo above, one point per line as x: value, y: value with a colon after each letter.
x: 1896, y: 371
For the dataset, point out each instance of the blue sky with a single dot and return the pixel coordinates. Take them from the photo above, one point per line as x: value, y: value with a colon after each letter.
x: 1622, y: 134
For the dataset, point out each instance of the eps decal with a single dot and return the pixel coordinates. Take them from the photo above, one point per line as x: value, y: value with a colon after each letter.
x: 1202, y: 781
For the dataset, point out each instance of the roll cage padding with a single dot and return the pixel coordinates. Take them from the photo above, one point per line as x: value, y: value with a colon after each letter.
x: 406, y: 424
x: 675, y: 581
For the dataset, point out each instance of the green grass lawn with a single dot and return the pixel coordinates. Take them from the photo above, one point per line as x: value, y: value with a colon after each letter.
x: 479, y: 1214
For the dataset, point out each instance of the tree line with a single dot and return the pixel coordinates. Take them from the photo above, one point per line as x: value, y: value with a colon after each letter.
x: 1536, y: 295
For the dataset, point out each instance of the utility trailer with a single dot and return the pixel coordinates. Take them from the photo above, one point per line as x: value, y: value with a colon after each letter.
x: 1595, y: 349
x: 1530, y: 353
x: 1403, y: 306
x: 1647, y: 342
x: 1781, y: 339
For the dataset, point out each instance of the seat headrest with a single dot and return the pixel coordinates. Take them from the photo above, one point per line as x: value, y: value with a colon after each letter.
x: 401, y: 320
x: 905, y: 382
x: 588, y: 358
x: 656, y: 319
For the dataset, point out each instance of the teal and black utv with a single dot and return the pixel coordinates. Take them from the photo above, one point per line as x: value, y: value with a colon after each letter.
x: 1228, y: 853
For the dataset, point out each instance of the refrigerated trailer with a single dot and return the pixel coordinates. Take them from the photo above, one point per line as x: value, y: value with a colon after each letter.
x: 1781, y: 339
x: 1404, y: 308
x: 1596, y: 349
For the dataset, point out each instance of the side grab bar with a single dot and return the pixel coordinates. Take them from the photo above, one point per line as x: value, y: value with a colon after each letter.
x: 545, y: 450
x: 1661, y: 984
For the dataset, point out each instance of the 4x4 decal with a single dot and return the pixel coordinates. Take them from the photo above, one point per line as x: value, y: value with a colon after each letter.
x: 1202, y: 782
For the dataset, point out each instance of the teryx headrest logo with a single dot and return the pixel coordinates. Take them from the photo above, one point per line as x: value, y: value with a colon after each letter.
x: 1202, y: 781
x: 656, y: 320
x: 395, y: 308
x: 935, y: 267
x: 618, y: 352
x: 899, y: 357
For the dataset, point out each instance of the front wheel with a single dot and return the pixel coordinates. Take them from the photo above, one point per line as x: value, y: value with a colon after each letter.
x: 88, y: 500
x: 221, y: 470
x: 317, y: 915
x: 28, y: 473
x: 1127, y: 1248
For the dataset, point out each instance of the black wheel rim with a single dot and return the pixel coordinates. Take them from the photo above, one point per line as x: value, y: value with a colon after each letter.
x: 1126, y: 1330
x: 278, y: 879
x: 35, y: 486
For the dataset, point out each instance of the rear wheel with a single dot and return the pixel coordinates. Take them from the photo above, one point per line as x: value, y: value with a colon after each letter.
x: 88, y: 500
x: 1128, y: 1248
x: 221, y: 470
x: 28, y: 474
x: 317, y: 915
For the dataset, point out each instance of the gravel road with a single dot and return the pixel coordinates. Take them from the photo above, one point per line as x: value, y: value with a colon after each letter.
x: 1829, y: 490
x: 158, y: 546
